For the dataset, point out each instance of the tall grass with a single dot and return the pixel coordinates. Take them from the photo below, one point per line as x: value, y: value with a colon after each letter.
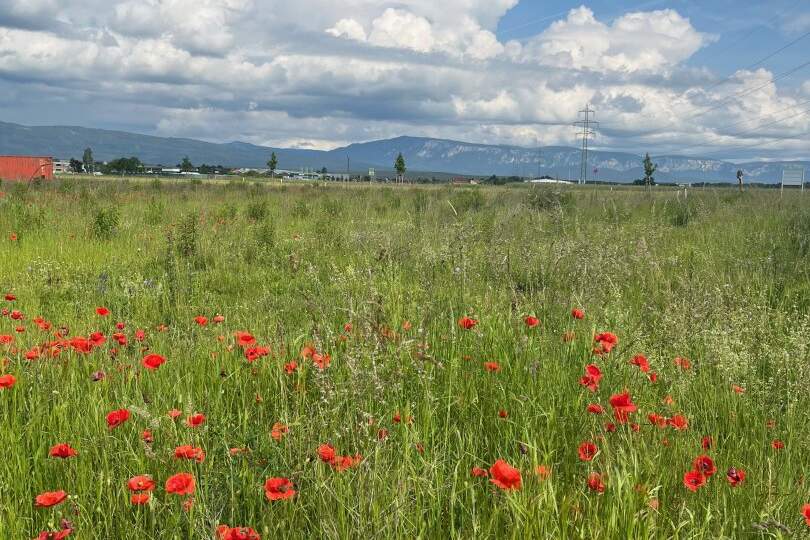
x: 722, y: 280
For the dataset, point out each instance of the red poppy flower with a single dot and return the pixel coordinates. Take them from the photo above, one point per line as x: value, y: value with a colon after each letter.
x: 321, y: 360
x: 776, y: 444
x: 152, y: 361
x: 679, y: 422
x: 467, y: 323
x: 595, y: 483
x: 505, y: 476
x: 62, y: 450
x: 587, y: 451
x: 705, y: 465
x: 142, y: 482
x: 218, y: 319
x: 276, y: 489
x: 492, y: 367
x: 10, y: 297
x: 542, y: 472
x: 577, y: 313
x: 49, y: 498
x: 606, y: 341
x: 101, y: 310
x: 341, y: 463
x: 641, y: 361
x: 278, y: 431
x: 610, y: 427
x: 693, y: 480
x: 531, y: 321
x: 195, y: 420
x: 653, y: 377
x: 201, y: 320
x: 57, y: 535
x: 658, y: 420
x: 16, y: 315
x: 290, y: 367
x: 244, y: 339
x: 622, y: 406
x: 595, y: 408
x: 12, y: 237
x: 738, y: 389
x: 189, y: 452
x: 236, y: 533
x: 147, y: 437
x: 707, y: 442
x: 116, y: 418
x: 591, y: 378
x: 479, y: 472
x: 6, y: 339
x: 503, y: 414
x: 735, y: 476
x: 7, y: 381
x: 140, y: 498
x: 806, y: 514
x: 140, y: 335
x: 180, y: 484
x: 683, y: 363
x: 382, y: 434
x: 174, y: 413
x: 327, y: 453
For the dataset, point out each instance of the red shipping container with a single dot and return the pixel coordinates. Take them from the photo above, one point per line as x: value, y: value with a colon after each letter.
x: 25, y: 168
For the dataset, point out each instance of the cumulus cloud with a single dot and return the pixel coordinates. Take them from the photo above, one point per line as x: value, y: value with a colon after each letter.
x: 319, y: 73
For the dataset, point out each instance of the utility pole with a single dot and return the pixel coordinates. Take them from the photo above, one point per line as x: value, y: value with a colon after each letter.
x: 587, y: 128
x: 348, y: 168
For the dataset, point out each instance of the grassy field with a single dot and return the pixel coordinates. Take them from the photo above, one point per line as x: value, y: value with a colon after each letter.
x: 355, y: 300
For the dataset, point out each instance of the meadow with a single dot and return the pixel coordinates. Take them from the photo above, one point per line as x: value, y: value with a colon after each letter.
x: 351, y: 361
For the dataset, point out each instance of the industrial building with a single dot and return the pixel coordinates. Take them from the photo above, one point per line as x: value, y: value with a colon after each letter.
x: 26, y: 168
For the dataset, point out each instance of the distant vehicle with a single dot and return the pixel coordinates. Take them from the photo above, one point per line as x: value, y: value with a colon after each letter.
x: 97, y: 173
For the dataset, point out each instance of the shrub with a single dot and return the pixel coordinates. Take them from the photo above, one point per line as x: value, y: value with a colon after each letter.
x: 543, y: 199
x: 106, y: 222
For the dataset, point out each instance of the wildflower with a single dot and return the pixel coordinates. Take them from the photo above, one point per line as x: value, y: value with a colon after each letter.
x: 707, y: 442
x: 116, y: 418
x: 174, y: 413
x: 180, y: 484
x: 321, y: 360
x: 327, y: 453
x: 195, y: 420
x: 244, y: 339
x: 290, y: 367
x: 587, y: 451
x: 141, y: 482
x: 49, y: 498
x: 542, y: 472
x: 278, y: 431
x: 57, y: 535
x: 139, y: 499
x: 683, y: 363
x: 218, y: 319
x: 236, y: 533
x: 595, y: 482
x: 505, y: 476
x: 201, y: 320
x: 63, y: 451
x: 606, y: 341
x: 467, y: 323
x: 492, y: 367
x: 705, y: 465
x: 806, y: 513
x: 503, y: 414
x: 479, y: 472
x: 147, y: 437
x: 591, y: 378
x: 679, y: 422
x: 531, y: 321
x: 595, y: 408
x: 102, y: 311
x: 189, y: 452
x: 693, y: 480
x: 622, y: 406
x: 577, y: 313
x: 152, y: 361
x: 776, y: 444
x: 735, y: 476
x: 7, y: 381
x: 276, y: 489
x: 641, y: 361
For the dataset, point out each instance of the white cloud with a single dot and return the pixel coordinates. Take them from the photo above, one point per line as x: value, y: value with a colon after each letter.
x: 636, y: 41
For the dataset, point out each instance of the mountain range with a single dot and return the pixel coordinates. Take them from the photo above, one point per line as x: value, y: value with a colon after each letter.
x: 424, y: 156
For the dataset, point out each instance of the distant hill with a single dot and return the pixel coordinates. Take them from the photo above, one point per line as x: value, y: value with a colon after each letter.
x: 422, y: 154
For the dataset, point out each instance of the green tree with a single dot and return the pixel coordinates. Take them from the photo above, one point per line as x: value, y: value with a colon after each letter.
x: 649, y: 171
x: 399, y: 165
x: 186, y: 165
x: 272, y: 164
x: 76, y: 165
x: 87, y: 160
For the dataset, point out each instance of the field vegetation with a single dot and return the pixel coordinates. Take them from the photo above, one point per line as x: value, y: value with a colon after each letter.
x: 354, y: 361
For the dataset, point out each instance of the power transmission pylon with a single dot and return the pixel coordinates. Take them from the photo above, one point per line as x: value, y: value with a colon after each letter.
x: 588, y: 129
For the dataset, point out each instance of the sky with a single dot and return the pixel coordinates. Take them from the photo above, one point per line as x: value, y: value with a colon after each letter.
x: 720, y: 79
